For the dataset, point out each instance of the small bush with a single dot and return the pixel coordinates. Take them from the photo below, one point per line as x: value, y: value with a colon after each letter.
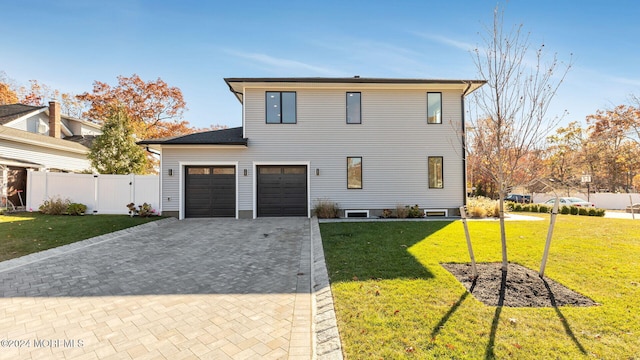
x: 326, y: 209
x: 600, y: 212
x: 573, y: 210
x: 76, y: 209
x: 544, y: 209
x: 534, y: 208
x: 144, y: 210
x: 481, y: 207
x: 477, y: 212
x: 414, y: 211
x: 54, y: 206
x: 402, y: 211
x: 592, y: 212
x: 386, y: 214
x: 517, y: 207
x: 583, y: 211
x: 565, y: 210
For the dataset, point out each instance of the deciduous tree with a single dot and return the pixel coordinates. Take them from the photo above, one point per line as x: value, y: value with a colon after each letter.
x: 116, y: 151
x: 563, y: 155
x: 154, y: 108
x: 7, y: 96
x: 512, y: 107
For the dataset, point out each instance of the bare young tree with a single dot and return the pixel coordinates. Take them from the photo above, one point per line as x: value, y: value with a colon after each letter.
x: 511, y: 120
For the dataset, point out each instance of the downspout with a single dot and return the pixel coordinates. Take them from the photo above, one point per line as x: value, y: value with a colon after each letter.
x: 464, y: 147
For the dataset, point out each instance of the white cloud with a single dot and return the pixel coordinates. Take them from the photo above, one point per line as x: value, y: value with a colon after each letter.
x: 461, y: 45
x: 278, y: 64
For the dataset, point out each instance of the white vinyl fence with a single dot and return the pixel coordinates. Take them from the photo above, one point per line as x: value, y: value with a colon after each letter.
x: 103, y: 194
x: 611, y: 201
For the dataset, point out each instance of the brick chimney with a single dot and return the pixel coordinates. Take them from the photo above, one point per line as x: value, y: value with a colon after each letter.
x: 54, y: 119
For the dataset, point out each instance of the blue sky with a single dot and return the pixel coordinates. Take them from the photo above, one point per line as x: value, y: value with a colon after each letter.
x: 67, y: 44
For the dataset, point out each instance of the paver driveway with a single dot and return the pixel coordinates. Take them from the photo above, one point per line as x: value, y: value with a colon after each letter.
x: 213, y: 288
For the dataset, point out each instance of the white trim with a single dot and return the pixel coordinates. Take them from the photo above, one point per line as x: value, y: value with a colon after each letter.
x: 244, y: 127
x: 445, y: 211
x: 347, y: 212
x: 281, y: 163
x: 26, y: 116
x: 182, y: 164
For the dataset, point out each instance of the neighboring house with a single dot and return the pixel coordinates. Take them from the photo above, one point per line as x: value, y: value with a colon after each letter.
x: 366, y: 144
x: 40, y: 137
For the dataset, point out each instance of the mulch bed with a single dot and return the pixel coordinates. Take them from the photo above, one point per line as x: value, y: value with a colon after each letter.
x: 522, y: 287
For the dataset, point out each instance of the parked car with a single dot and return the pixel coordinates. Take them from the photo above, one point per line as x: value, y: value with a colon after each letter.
x: 571, y: 201
x: 522, y: 199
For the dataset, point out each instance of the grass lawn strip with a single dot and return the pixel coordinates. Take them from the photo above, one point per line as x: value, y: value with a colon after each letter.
x: 393, y: 299
x: 25, y: 233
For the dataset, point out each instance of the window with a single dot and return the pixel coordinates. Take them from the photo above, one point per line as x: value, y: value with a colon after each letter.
x: 353, y: 108
x: 434, y: 108
x: 354, y: 173
x: 281, y: 107
x: 435, y: 172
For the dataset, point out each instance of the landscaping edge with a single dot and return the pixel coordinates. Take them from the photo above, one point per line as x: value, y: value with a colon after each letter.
x: 325, y: 327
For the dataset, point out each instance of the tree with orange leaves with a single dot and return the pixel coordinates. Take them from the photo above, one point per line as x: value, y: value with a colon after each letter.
x: 7, y: 96
x: 154, y: 107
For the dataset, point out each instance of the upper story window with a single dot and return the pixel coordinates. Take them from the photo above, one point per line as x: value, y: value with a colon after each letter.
x: 434, y: 108
x: 354, y: 113
x: 281, y: 107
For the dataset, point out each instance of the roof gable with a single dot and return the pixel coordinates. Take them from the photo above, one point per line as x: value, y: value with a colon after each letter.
x: 12, y: 112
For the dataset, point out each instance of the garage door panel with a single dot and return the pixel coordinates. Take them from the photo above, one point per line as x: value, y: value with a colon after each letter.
x: 282, y: 191
x: 210, y: 191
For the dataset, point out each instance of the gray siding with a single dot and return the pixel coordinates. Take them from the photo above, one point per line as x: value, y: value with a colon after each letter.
x: 50, y: 158
x: 394, y: 141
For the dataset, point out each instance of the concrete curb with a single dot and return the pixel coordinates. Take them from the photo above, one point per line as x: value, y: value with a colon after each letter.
x: 78, y: 245
x: 327, y: 338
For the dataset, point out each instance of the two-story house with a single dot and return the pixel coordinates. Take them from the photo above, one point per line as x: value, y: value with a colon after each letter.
x: 366, y: 144
x: 40, y: 137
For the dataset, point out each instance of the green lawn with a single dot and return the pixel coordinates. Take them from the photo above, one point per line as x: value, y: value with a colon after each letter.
x: 26, y: 233
x: 394, y: 300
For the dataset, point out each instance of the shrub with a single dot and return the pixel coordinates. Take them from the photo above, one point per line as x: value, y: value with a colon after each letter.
x: 592, y: 212
x: 414, y: 211
x: 386, y: 214
x: 600, y: 212
x: 402, y: 211
x: 481, y: 207
x: 573, y: 210
x: 325, y: 209
x: 144, y: 210
x: 544, y: 209
x: 565, y: 210
x: 534, y: 208
x: 76, y: 209
x: 583, y: 211
x: 517, y: 207
x: 477, y: 212
x: 54, y: 206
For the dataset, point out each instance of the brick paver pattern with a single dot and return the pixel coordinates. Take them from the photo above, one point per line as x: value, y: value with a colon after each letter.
x: 205, y: 289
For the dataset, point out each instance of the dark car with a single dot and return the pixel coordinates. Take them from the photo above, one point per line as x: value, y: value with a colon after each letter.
x: 522, y: 199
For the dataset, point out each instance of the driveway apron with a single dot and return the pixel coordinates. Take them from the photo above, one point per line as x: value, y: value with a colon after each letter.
x: 205, y: 288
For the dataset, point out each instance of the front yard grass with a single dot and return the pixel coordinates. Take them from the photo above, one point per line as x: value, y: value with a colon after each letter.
x: 26, y: 233
x: 394, y: 300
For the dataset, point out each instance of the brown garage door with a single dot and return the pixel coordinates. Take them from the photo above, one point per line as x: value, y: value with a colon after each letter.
x: 210, y: 191
x: 282, y: 190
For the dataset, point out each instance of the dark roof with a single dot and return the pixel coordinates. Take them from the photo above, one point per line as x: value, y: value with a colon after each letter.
x: 86, y: 140
x: 355, y: 79
x: 232, y: 136
x: 11, y: 112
